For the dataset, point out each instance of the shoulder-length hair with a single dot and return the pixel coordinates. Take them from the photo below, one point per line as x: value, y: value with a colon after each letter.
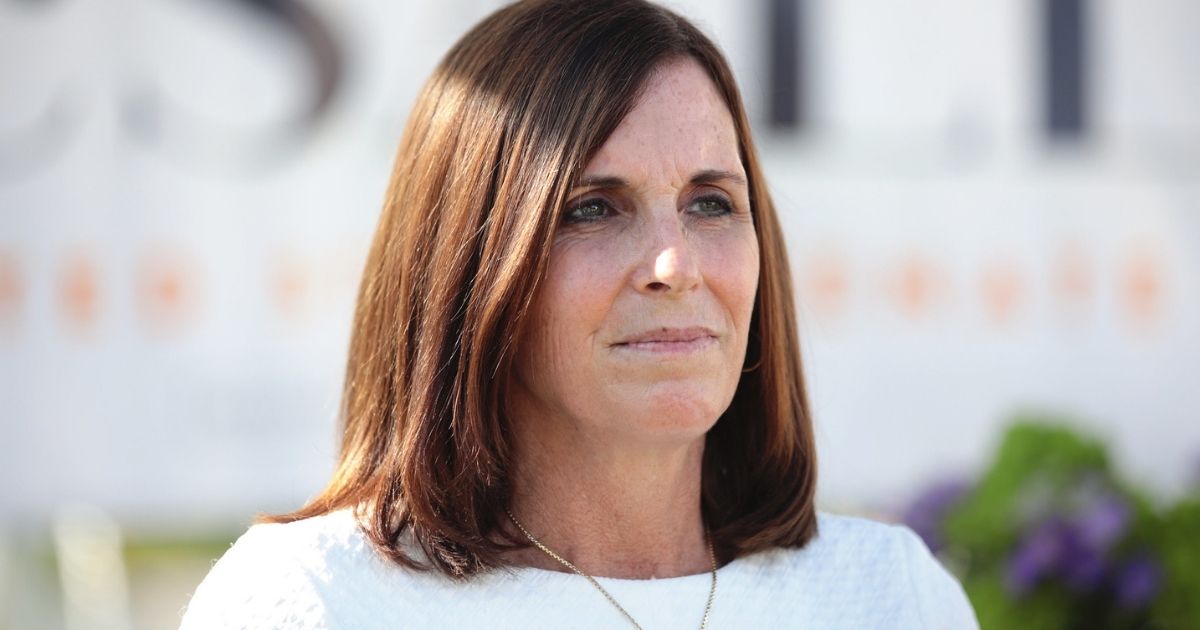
x: 505, y: 124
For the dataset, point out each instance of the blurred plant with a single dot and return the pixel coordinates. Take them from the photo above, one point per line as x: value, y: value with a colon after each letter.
x: 1050, y: 538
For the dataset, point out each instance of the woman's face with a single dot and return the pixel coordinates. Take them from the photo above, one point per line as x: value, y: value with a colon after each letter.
x: 639, y: 328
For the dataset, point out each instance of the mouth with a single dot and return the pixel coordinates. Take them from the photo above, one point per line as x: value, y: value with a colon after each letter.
x: 669, y: 341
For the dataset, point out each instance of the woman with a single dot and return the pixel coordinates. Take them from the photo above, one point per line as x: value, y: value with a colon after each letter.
x: 574, y: 396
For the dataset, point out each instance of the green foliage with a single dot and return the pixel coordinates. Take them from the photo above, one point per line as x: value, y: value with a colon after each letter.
x: 142, y: 551
x: 1038, y: 459
x: 1045, y: 471
x: 995, y: 608
x: 1179, y: 548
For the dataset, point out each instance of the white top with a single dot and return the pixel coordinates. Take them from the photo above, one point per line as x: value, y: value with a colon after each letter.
x: 322, y: 573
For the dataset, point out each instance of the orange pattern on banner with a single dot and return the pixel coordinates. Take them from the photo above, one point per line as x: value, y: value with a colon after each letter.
x: 168, y: 283
x: 1072, y: 276
x: 290, y: 285
x: 1142, y: 288
x: 79, y: 292
x: 915, y: 286
x: 11, y: 289
x: 1002, y: 291
x: 824, y: 284
x: 167, y: 291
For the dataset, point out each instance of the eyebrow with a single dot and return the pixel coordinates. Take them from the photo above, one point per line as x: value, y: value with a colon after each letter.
x: 707, y: 176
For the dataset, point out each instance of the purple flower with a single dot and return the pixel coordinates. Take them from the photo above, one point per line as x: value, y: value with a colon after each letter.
x: 1137, y: 581
x: 928, y: 512
x: 1082, y: 567
x: 1039, y: 555
x: 1103, y: 522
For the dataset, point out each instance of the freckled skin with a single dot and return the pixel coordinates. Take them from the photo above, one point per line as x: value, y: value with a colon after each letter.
x: 662, y: 254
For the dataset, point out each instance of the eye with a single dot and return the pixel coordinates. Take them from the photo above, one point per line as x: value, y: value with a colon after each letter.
x: 712, y: 205
x: 587, y: 211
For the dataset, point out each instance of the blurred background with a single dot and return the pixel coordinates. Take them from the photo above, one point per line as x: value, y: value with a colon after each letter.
x: 992, y: 209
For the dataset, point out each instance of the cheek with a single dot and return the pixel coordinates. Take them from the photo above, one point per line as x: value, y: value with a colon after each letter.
x: 572, y: 304
x: 734, y: 276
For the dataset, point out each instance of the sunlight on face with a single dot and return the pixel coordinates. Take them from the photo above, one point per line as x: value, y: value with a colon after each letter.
x: 639, y: 328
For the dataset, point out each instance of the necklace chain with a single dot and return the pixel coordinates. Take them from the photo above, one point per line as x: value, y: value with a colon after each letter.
x: 712, y: 590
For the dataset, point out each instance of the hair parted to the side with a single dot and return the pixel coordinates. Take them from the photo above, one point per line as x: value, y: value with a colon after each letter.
x: 508, y: 119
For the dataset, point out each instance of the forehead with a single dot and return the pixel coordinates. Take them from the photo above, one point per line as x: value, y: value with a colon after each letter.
x: 679, y: 121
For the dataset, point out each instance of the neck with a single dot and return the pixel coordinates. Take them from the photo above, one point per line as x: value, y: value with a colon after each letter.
x: 611, y: 511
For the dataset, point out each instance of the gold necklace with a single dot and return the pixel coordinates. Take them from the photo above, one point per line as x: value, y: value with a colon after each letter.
x: 712, y: 590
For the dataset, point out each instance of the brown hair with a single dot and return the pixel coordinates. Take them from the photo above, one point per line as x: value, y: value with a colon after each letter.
x: 509, y: 118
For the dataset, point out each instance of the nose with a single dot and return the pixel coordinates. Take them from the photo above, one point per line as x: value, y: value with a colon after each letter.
x: 670, y: 263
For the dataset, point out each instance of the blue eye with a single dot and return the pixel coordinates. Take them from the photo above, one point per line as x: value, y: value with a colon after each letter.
x: 588, y: 210
x: 712, y: 205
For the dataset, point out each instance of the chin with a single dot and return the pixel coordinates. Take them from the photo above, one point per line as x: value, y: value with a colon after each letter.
x: 676, y: 413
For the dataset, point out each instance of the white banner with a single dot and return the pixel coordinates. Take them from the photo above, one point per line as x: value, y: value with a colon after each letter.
x: 187, y: 190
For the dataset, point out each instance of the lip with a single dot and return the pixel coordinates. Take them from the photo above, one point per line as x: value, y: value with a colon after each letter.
x: 667, y: 340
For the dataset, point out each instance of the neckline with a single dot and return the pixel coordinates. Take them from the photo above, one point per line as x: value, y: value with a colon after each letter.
x: 547, y: 574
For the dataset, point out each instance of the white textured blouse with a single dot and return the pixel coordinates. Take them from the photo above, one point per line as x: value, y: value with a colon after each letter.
x: 323, y: 573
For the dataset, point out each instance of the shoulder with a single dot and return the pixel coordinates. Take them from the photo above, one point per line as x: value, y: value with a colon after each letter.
x: 858, y: 552
x: 866, y: 564
x: 853, y: 537
x: 275, y: 575
x: 895, y: 555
